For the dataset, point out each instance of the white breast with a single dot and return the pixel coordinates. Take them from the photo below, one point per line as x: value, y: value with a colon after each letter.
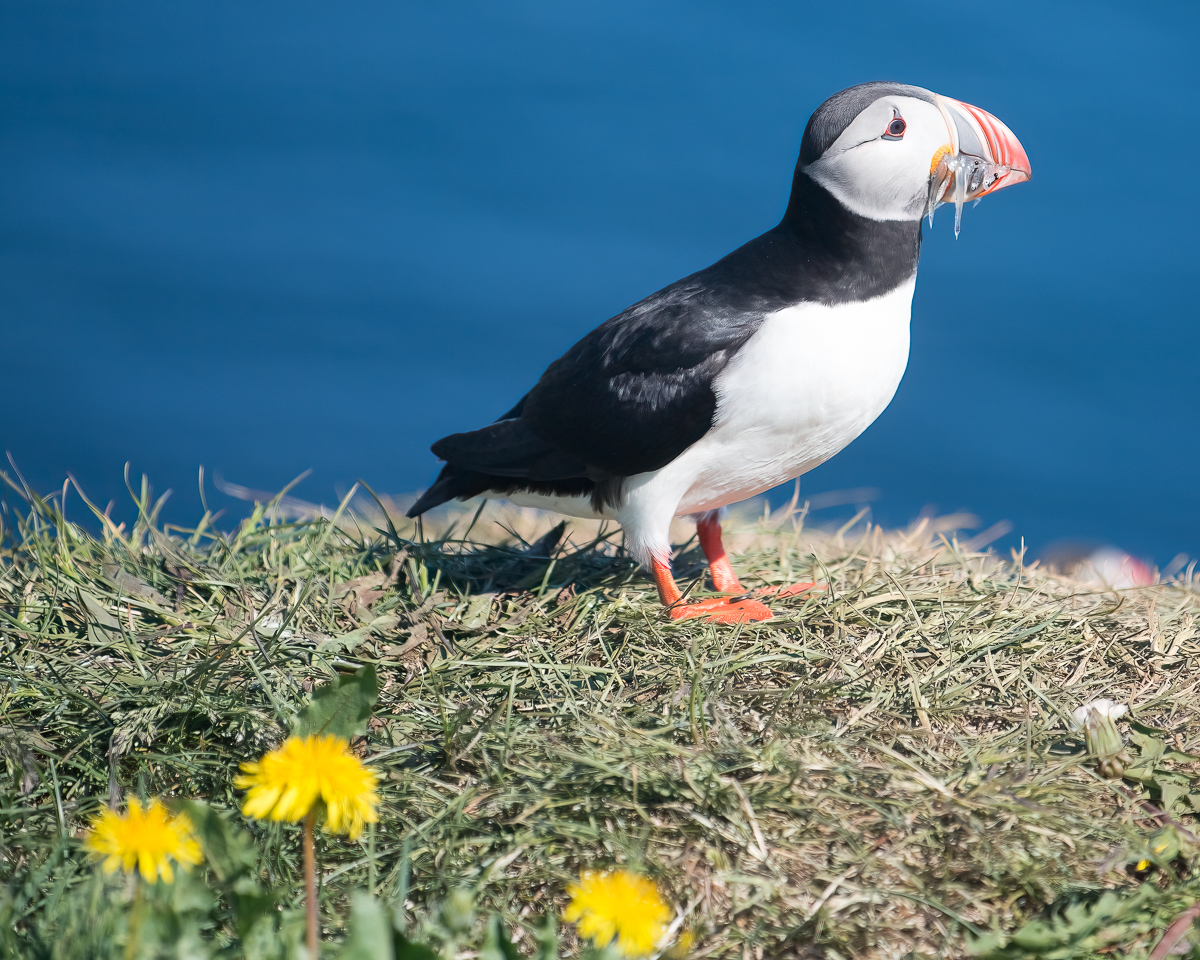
x: 807, y: 383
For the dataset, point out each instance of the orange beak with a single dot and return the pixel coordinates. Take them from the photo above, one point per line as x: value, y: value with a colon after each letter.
x: 976, y: 133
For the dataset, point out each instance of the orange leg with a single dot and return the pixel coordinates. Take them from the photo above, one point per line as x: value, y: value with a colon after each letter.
x: 718, y: 610
x: 708, y: 527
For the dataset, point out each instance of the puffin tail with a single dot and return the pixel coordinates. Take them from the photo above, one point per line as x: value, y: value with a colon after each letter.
x: 454, y: 481
x: 503, y: 456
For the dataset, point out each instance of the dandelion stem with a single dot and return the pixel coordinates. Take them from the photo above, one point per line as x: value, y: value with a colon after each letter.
x: 132, y: 948
x: 310, y: 884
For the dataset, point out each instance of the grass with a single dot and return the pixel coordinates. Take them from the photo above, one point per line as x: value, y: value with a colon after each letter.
x: 883, y: 770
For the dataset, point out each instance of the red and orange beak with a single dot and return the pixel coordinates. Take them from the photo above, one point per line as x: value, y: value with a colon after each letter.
x: 976, y: 133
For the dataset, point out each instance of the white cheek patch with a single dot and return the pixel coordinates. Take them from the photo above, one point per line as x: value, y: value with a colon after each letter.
x: 884, y: 179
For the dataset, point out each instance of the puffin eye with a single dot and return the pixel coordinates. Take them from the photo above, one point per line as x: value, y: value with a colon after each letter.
x: 895, y: 129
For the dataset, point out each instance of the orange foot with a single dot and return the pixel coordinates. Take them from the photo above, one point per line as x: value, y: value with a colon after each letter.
x: 790, y: 591
x: 723, y: 610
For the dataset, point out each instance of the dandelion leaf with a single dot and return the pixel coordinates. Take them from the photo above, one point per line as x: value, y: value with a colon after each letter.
x: 341, y: 707
x: 371, y: 935
x: 405, y: 949
x: 496, y: 945
x: 189, y: 894
x: 547, y: 939
x: 228, y: 850
x: 275, y: 935
x: 1076, y: 929
x: 170, y: 925
x: 1173, y: 796
x: 232, y: 858
x: 1169, y: 788
x: 1148, y: 741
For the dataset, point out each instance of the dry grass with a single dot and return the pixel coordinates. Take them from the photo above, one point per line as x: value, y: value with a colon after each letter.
x: 884, y: 767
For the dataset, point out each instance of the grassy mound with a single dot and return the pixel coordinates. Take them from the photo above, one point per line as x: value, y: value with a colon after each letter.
x: 886, y: 769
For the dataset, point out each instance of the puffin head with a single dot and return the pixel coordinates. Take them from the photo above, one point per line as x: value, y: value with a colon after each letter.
x: 889, y: 151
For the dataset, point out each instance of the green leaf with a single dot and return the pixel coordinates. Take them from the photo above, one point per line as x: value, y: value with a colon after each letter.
x: 370, y: 933
x: 232, y: 858
x: 166, y: 921
x: 990, y: 944
x: 348, y: 641
x: 277, y: 935
x: 405, y: 949
x: 496, y: 945
x: 1077, y: 928
x: 341, y: 707
x: 547, y: 938
x: 1151, y: 741
x: 1150, y: 746
x: 1174, y: 797
x: 229, y: 851
x: 189, y: 893
x: 458, y: 910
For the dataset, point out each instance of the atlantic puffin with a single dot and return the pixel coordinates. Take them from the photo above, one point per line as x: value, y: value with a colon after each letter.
x: 758, y: 368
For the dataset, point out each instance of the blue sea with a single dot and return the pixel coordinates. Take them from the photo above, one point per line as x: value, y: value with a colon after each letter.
x: 266, y: 237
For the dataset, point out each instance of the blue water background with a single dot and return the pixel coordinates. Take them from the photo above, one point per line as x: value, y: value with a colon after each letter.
x: 265, y: 237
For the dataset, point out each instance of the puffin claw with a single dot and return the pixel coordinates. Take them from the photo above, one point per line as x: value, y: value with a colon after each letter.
x: 723, y: 610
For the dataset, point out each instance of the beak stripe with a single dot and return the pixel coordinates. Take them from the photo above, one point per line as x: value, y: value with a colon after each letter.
x: 996, y: 140
x: 999, y: 143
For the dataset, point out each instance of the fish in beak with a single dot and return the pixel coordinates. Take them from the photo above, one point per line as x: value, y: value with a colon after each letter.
x: 983, y: 156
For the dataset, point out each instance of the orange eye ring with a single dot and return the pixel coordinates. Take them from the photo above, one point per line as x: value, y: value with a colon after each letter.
x: 895, y: 129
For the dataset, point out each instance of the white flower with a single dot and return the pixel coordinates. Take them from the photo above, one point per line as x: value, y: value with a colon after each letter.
x: 1109, y: 709
x: 1098, y: 721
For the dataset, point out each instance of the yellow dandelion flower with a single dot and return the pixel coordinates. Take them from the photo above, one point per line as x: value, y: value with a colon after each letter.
x: 290, y: 781
x: 146, y: 839
x: 620, y: 905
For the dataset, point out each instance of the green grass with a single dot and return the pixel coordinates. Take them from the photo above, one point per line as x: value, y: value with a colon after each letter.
x: 886, y: 766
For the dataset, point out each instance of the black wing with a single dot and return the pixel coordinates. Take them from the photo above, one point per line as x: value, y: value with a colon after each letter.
x: 638, y: 390
x: 629, y: 397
